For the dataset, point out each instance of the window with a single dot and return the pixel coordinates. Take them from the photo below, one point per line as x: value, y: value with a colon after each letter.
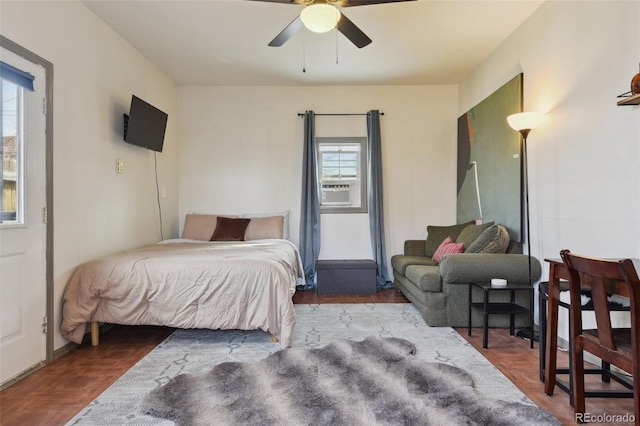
x: 11, y: 150
x: 342, y: 182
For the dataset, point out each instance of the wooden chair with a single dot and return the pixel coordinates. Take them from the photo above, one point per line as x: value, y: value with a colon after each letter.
x: 604, y: 369
x: 620, y: 347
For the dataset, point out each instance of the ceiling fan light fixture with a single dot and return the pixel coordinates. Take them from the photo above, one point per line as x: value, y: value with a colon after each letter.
x: 320, y: 18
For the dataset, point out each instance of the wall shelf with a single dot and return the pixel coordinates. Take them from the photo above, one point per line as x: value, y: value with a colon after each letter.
x: 629, y: 100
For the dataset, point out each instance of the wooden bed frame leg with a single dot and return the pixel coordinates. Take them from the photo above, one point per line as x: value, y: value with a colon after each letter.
x: 274, y: 339
x: 95, y: 333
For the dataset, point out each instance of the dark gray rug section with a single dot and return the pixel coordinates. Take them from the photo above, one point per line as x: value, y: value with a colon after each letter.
x: 377, y: 381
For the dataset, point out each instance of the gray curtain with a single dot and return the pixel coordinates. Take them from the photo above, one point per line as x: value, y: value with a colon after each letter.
x: 310, y: 205
x: 376, y: 204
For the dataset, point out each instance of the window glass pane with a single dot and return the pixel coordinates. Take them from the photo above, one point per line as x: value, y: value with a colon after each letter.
x: 331, y: 156
x: 330, y: 173
x: 348, y: 173
x: 331, y: 163
x: 11, y: 167
x: 349, y: 163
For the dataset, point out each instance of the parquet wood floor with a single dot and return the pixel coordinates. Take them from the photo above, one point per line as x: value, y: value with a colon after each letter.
x: 54, y: 394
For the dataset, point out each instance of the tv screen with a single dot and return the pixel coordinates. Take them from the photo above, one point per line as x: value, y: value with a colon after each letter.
x: 145, y: 125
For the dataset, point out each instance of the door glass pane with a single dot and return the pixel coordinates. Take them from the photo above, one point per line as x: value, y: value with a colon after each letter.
x: 11, y: 168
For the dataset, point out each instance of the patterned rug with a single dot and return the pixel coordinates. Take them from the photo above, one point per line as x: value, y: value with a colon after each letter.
x: 197, y: 351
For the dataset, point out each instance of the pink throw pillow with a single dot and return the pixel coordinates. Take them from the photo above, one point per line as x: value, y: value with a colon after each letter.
x: 447, y: 247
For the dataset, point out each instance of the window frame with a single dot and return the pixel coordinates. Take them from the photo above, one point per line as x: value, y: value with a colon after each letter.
x: 362, y: 173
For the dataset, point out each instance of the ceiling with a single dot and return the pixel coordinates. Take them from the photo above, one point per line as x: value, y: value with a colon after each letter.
x: 224, y: 42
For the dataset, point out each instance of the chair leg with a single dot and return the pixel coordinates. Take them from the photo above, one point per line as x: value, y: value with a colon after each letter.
x: 542, y: 320
x: 577, y: 380
x: 606, y: 368
x: 551, y: 347
x: 572, y: 363
x: 636, y: 400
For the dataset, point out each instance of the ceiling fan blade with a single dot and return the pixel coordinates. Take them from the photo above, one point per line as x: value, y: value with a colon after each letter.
x: 349, y: 3
x: 287, y: 33
x: 352, y: 32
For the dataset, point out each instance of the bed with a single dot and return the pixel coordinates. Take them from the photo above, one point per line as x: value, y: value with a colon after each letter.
x: 189, y: 283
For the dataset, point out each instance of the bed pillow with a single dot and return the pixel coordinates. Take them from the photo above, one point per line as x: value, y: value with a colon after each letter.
x: 470, y: 233
x: 261, y: 228
x: 285, y: 220
x: 493, y: 240
x: 437, y: 234
x: 230, y: 229
x: 199, y: 226
x: 447, y: 247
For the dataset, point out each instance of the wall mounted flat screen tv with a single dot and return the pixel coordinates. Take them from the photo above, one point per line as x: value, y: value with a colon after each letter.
x: 145, y: 125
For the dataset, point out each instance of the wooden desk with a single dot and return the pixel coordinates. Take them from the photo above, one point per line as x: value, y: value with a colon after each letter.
x: 558, y: 271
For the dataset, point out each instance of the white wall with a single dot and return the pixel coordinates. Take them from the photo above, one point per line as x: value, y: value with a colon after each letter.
x: 241, y: 152
x: 584, y: 159
x: 97, y: 211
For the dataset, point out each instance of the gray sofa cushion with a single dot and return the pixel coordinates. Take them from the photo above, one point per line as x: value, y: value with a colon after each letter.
x: 427, y: 278
x: 437, y: 234
x: 493, y: 240
x: 400, y: 262
x: 471, y: 232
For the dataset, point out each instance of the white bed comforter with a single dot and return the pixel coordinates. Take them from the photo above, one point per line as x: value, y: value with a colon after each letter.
x: 244, y: 285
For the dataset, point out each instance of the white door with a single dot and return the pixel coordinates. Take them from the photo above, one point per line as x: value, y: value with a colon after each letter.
x: 22, y: 227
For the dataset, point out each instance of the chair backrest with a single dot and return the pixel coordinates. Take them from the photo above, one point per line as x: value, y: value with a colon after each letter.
x: 604, y: 276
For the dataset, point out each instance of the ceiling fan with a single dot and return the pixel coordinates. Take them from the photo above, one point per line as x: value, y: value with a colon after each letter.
x: 322, y: 16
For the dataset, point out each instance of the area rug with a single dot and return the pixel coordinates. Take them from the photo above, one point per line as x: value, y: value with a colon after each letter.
x: 375, y: 381
x: 198, y: 351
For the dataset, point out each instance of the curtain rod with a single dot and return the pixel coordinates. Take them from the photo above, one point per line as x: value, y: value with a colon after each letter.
x: 300, y: 114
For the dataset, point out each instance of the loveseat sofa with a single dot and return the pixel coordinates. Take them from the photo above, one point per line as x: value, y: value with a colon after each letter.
x: 439, y: 288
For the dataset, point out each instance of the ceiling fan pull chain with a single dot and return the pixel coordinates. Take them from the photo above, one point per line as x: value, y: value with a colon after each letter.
x: 304, y: 54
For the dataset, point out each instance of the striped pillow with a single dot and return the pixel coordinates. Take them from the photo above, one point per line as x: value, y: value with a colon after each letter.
x: 447, y: 247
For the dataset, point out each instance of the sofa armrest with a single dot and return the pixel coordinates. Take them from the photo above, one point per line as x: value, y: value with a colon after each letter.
x: 463, y: 268
x: 414, y: 247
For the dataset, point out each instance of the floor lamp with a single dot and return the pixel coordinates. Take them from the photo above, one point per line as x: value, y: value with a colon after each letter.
x: 524, y: 122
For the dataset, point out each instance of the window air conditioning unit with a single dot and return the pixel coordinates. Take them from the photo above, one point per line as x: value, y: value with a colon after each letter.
x: 336, y: 194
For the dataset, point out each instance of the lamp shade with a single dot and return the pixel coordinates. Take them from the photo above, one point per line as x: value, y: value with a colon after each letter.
x: 524, y: 120
x: 320, y: 18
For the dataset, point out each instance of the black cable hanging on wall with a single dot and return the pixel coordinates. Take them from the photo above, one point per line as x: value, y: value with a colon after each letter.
x: 155, y: 167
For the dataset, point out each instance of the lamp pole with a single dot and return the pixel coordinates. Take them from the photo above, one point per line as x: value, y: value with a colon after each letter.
x: 525, y: 133
x: 524, y: 122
